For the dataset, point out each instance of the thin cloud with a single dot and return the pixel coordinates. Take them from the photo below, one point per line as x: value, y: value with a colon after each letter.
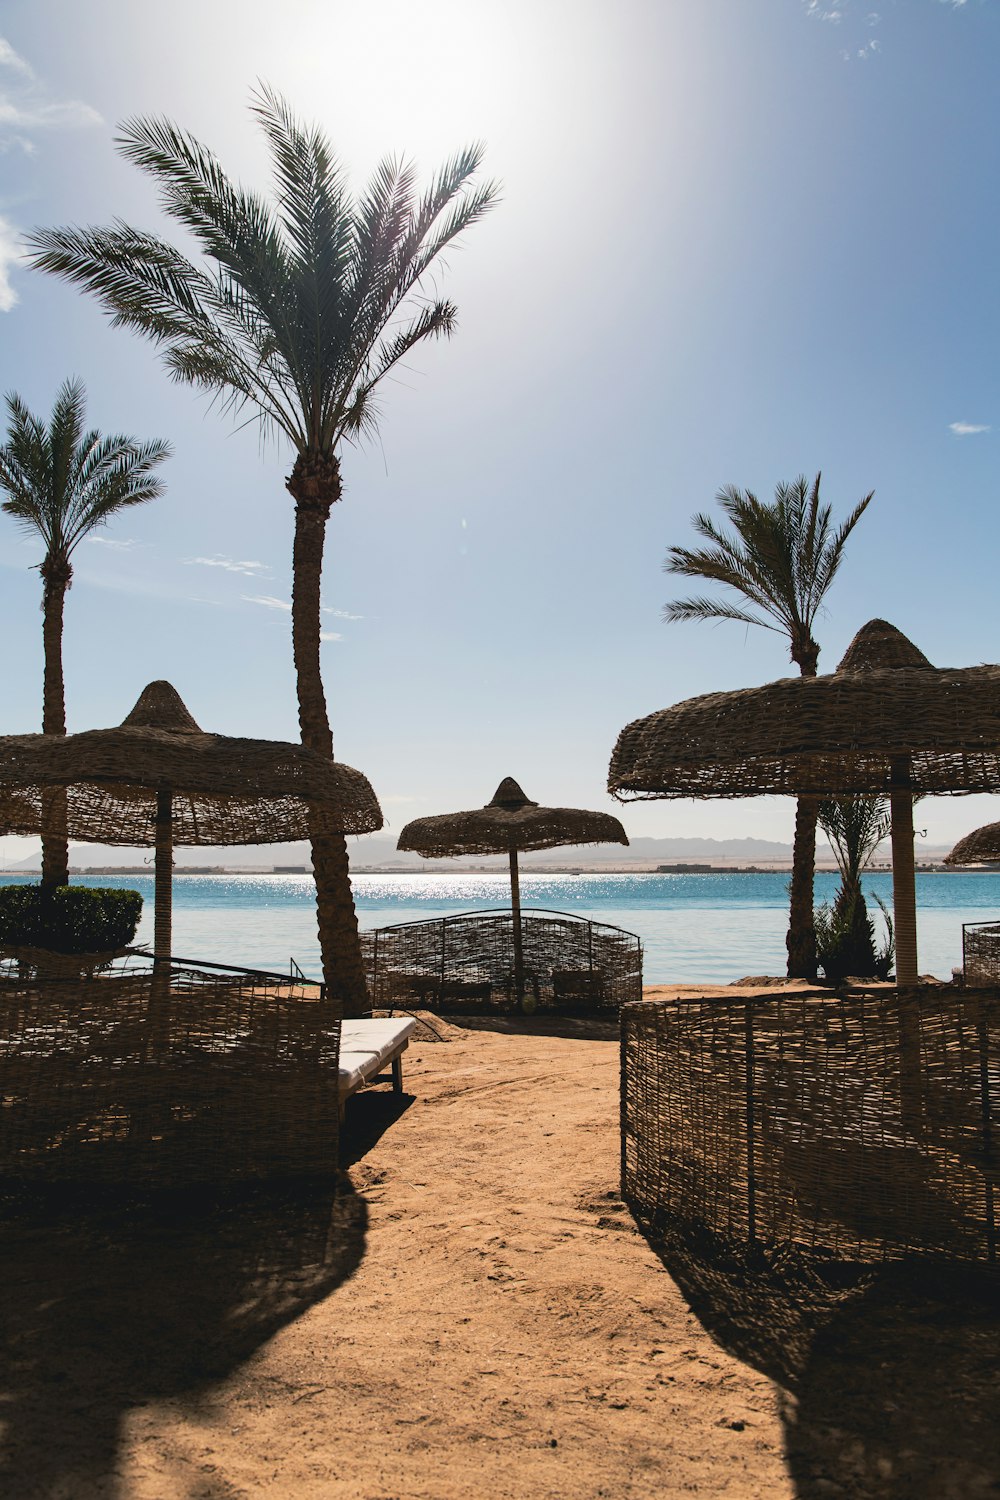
x: 11, y: 59
x: 10, y: 250
x: 230, y: 564
x: 341, y: 614
x: 267, y: 600
x: 25, y: 107
x: 967, y: 429
x: 25, y: 104
x: 127, y: 544
x: 330, y: 635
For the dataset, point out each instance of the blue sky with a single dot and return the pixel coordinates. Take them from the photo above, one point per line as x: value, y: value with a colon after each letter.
x: 736, y: 243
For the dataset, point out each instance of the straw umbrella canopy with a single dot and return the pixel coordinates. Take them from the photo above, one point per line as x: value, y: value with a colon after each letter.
x: 980, y: 847
x: 509, y: 824
x: 157, y: 778
x: 885, y: 723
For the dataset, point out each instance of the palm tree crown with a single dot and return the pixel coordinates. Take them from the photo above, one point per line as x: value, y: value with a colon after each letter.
x: 61, y: 482
x: 299, y: 309
x: 781, y: 558
x: 855, y: 827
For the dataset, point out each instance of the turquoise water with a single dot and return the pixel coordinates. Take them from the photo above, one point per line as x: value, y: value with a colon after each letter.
x: 693, y: 927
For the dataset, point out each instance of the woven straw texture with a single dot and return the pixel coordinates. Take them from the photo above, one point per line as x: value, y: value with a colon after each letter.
x: 44, y: 963
x: 509, y: 822
x: 225, y: 790
x: 466, y: 964
x: 844, y: 734
x: 858, y: 1124
x: 982, y: 846
x: 981, y: 952
x: 878, y: 645
x: 177, y: 1078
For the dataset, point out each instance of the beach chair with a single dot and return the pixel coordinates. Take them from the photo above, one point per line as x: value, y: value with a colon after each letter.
x: 368, y: 1047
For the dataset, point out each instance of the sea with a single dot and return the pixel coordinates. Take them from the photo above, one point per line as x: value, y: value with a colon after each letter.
x: 699, y: 927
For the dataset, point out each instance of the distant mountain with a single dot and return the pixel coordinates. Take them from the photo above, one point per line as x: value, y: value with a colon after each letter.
x: 381, y: 853
x: 373, y: 850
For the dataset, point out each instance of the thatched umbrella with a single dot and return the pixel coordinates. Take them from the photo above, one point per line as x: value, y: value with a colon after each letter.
x: 509, y: 824
x: 980, y: 847
x: 885, y: 723
x: 159, y: 779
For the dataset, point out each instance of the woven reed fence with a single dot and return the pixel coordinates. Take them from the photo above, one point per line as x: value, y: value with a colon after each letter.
x: 981, y: 952
x: 168, y: 1077
x: 859, y: 1125
x: 465, y: 963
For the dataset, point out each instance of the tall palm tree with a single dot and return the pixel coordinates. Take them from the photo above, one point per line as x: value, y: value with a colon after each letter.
x: 61, y: 483
x: 780, y: 560
x: 298, y: 309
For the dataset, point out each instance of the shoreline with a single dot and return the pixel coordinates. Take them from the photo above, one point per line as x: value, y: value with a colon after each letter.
x: 930, y: 867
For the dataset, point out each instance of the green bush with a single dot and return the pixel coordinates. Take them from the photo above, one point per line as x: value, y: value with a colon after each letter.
x: 69, y: 919
x: 845, y: 940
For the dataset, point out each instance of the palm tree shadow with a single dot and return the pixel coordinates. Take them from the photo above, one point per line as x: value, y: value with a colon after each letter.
x: 888, y: 1374
x: 108, y: 1302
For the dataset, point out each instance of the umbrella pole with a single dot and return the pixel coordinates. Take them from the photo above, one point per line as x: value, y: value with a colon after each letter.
x: 904, y: 900
x: 515, y: 906
x: 904, y: 895
x: 164, y: 876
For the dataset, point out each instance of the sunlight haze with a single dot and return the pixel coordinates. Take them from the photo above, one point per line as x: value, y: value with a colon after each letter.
x: 735, y: 243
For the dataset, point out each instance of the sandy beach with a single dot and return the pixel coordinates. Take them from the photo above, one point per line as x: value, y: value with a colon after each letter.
x: 474, y: 1313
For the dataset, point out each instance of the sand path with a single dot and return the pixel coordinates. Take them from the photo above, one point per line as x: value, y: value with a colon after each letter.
x: 480, y: 1319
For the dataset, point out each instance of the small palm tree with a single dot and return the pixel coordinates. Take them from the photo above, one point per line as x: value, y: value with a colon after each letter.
x: 61, y: 483
x: 780, y: 560
x: 299, y: 311
x: 855, y: 827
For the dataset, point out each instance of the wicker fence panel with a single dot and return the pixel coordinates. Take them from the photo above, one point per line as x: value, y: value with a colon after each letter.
x: 169, y: 1078
x: 858, y: 1124
x: 981, y: 952
x: 465, y: 963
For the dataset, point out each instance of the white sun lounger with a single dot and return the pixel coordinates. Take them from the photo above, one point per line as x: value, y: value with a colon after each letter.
x: 369, y: 1046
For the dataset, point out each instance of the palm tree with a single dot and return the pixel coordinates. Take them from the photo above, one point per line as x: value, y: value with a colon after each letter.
x: 61, y: 483
x: 298, y: 310
x: 855, y: 827
x: 780, y: 559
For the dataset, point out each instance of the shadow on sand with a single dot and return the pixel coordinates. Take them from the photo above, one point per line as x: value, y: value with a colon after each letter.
x: 594, y: 1028
x: 370, y: 1114
x: 889, y: 1373
x: 108, y: 1303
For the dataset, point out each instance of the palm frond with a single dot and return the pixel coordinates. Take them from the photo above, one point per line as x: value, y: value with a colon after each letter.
x: 855, y: 827
x: 711, y: 609
x: 298, y: 306
x: 61, y: 482
x: 780, y: 556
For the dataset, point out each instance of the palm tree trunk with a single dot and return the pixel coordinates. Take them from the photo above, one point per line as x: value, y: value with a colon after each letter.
x: 55, y: 847
x: 801, y: 939
x: 340, y: 945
